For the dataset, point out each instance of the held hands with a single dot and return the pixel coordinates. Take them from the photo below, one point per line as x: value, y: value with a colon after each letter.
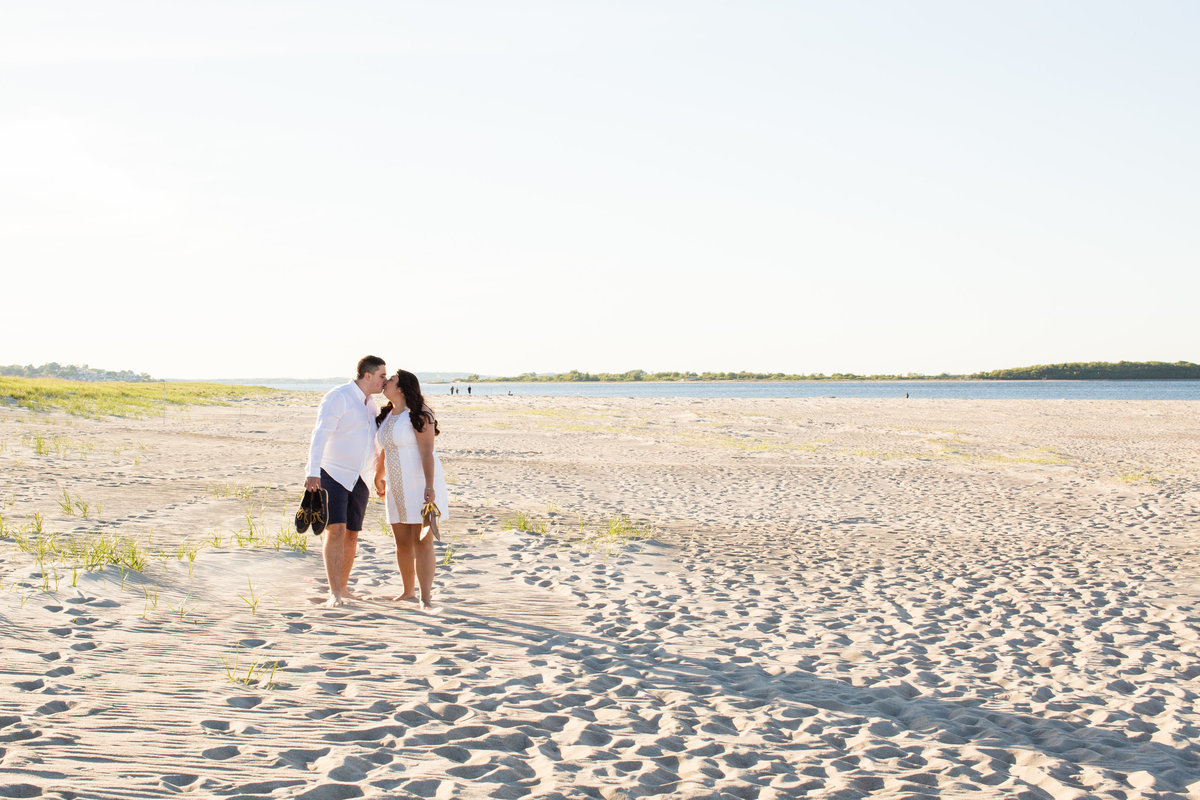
x: 380, y: 485
x: 312, y: 484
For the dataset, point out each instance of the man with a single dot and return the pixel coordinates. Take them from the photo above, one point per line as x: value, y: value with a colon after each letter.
x: 340, y: 454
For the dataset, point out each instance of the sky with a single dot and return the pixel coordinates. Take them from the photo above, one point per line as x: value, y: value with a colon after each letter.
x: 254, y: 189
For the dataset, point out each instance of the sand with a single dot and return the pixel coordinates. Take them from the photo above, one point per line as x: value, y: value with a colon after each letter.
x: 839, y: 599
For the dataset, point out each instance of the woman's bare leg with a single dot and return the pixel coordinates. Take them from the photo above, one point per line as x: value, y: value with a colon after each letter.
x: 404, y: 537
x: 424, y: 557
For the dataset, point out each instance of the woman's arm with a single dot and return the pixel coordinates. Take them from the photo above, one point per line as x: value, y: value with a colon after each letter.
x: 425, y: 446
x: 380, y: 483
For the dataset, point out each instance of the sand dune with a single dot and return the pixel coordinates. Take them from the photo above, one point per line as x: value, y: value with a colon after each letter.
x: 840, y: 599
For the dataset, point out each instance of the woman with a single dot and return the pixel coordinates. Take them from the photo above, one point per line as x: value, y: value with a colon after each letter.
x: 408, y: 474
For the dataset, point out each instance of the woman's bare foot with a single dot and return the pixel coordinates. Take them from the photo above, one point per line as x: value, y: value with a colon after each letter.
x: 334, y: 601
x: 430, y: 608
x: 406, y: 596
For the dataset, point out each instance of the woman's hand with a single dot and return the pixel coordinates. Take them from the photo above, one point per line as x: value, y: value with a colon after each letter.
x: 380, y: 486
x: 429, y: 494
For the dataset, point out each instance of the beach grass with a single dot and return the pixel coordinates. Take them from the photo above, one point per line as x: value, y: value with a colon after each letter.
x: 231, y: 490
x: 57, y: 554
x: 60, y: 446
x: 604, y: 536
x: 89, y: 552
x: 112, y: 399
x: 248, y: 673
x: 288, y: 537
x: 251, y: 598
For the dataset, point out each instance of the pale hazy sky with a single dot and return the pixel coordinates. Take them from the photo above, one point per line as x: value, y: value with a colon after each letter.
x: 224, y: 189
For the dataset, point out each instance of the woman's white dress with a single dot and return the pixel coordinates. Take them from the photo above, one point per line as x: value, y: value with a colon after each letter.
x: 405, y: 476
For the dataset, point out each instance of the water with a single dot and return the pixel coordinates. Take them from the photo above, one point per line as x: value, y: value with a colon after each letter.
x: 957, y: 390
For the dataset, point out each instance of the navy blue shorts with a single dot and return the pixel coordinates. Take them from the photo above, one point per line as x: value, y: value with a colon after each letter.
x: 346, y: 508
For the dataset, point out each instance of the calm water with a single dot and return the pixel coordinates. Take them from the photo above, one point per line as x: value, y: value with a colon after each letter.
x: 962, y: 390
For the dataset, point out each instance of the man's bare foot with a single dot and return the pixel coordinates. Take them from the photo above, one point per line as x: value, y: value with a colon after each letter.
x: 406, y: 596
x: 349, y: 595
x: 343, y: 599
x: 334, y: 601
x: 430, y: 608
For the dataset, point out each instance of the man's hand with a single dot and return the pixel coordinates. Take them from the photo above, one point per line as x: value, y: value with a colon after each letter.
x: 312, y: 484
x: 380, y: 486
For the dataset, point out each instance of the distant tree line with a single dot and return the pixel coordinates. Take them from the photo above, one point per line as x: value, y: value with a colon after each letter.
x: 1098, y: 371
x: 70, y: 372
x: 575, y: 376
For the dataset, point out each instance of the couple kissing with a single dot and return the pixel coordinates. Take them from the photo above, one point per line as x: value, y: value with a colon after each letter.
x: 355, y: 444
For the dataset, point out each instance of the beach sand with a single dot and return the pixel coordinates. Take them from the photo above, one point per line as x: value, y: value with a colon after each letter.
x: 837, y: 599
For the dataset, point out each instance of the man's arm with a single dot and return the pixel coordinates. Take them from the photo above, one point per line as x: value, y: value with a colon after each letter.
x: 328, y: 414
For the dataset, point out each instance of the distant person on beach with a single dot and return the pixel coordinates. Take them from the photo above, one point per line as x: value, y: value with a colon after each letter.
x: 339, y: 458
x: 468, y: 390
x: 408, y: 474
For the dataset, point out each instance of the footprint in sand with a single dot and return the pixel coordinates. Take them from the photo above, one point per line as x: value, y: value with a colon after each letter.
x: 449, y: 712
x: 423, y: 787
x: 352, y: 769
x: 14, y: 730
x: 553, y: 723
x: 368, y: 734
x: 243, y: 702
x: 178, y: 781
x: 471, y: 772
x: 411, y: 718
x: 331, y: 687
x: 321, y: 713
x: 221, y: 753
x: 452, y: 752
x: 300, y: 759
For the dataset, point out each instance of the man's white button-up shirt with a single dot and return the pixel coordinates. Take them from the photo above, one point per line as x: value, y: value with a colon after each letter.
x: 343, y: 440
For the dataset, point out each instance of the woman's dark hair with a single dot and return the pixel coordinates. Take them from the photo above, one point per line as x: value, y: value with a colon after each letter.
x: 418, y: 412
